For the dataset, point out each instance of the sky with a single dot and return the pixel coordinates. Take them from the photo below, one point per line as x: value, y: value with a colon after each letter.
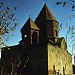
x: 26, y: 8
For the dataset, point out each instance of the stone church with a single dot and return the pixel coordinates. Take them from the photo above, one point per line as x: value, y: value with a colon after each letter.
x: 41, y: 51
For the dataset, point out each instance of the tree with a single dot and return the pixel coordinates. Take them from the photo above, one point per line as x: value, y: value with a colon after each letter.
x: 71, y: 28
x: 8, y: 22
x: 72, y: 2
x: 16, y: 65
x: 69, y: 17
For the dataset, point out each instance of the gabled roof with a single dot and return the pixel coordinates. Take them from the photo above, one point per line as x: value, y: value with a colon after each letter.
x: 29, y: 24
x: 59, y: 39
x: 45, y: 12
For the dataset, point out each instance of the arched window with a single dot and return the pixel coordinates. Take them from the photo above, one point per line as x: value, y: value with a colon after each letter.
x: 34, y: 38
x: 63, y: 70
x: 54, y: 68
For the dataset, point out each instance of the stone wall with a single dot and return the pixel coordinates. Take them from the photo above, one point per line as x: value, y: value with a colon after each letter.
x: 59, y: 59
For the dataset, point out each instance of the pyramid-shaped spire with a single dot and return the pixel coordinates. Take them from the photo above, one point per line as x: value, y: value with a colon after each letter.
x: 33, y: 25
x: 29, y: 25
x: 46, y: 14
x: 47, y: 23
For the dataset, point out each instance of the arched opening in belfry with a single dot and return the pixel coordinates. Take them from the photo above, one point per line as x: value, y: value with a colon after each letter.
x: 34, y: 38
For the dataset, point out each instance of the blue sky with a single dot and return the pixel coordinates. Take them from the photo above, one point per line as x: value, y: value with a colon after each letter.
x: 32, y: 8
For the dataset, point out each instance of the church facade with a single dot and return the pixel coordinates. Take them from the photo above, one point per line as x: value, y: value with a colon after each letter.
x: 41, y: 51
